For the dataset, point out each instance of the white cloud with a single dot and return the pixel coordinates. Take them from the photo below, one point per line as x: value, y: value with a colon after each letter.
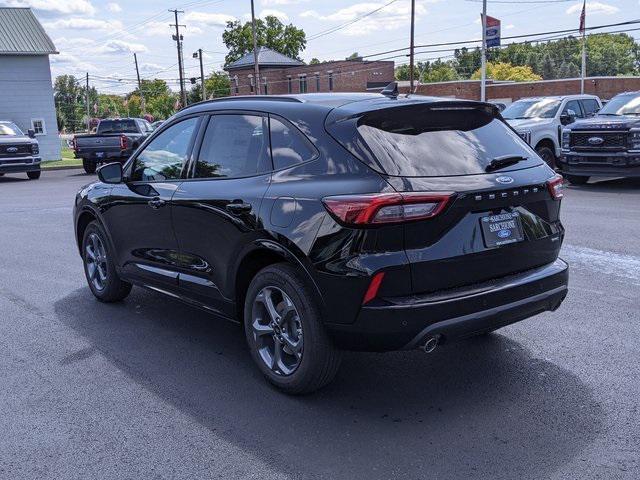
x: 55, y: 6
x: 283, y: 17
x: 151, y: 67
x: 77, y: 23
x: 391, y: 17
x: 283, y: 2
x: 66, y: 61
x: 119, y: 47
x: 114, y: 7
x: 208, y: 19
x: 593, y: 7
x: 510, y: 26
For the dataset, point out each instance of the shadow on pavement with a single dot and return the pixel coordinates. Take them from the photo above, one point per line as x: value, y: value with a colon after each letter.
x: 483, y: 407
x: 610, y: 185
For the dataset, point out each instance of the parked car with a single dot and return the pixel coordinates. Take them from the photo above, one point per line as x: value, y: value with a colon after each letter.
x: 115, y: 139
x: 19, y: 153
x: 156, y: 124
x: 605, y: 145
x: 540, y: 120
x: 330, y: 222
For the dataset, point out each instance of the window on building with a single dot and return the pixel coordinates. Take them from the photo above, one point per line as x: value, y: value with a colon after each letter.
x: 317, y: 82
x: 303, y: 83
x: 289, y: 84
x: 236, y: 87
x: 330, y: 81
x: 234, y: 146
x: 265, y: 87
x: 251, y: 83
x: 37, y: 124
x: 164, y: 157
x: 288, y: 145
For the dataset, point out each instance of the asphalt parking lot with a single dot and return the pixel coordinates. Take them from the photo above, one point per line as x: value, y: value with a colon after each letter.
x: 151, y: 388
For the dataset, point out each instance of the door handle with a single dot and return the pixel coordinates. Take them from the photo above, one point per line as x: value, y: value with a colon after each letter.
x: 156, y: 203
x: 238, y: 208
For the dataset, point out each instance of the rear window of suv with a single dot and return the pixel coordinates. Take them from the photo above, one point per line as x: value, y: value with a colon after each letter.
x: 425, y: 140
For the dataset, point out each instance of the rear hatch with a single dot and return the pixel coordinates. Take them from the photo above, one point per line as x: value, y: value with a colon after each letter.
x: 502, y: 216
x: 100, y: 142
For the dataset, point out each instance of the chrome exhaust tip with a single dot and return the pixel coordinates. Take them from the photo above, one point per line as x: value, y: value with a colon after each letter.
x: 430, y: 345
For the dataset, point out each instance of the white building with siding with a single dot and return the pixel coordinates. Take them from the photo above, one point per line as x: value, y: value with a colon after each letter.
x: 26, y: 91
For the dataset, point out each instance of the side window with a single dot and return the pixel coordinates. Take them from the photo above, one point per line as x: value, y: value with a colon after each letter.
x: 590, y: 106
x: 288, y: 146
x: 575, y: 106
x: 162, y: 159
x: 234, y: 146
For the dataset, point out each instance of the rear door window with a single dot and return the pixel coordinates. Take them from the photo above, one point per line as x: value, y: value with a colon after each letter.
x: 288, y: 146
x: 437, y: 140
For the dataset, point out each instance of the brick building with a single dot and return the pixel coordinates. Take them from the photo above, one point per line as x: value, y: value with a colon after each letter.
x: 280, y: 74
x: 507, y: 92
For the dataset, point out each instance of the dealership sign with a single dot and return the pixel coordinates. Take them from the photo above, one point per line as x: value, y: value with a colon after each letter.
x: 492, y: 33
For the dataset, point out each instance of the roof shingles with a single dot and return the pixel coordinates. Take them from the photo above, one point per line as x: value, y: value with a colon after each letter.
x: 266, y: 58
x: 22, y: 34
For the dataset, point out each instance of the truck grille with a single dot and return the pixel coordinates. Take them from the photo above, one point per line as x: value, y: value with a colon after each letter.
x: 7, y: 151
x: 610, y: 141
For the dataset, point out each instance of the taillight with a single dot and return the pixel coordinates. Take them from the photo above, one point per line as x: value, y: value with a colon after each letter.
x: 74, y: 143
x: 374, y: 286
x: 385, y: 208
x: 124, y: 142
x: 556, y: 187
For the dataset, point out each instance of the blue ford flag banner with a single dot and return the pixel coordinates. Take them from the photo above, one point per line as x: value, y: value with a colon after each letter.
x: 493, y: 32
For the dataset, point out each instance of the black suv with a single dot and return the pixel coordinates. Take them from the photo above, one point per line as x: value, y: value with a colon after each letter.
x: 328, y: 222
x: 605, y: 145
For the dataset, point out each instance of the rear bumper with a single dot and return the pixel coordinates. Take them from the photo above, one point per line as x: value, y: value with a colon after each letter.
x: 19, y: 164
x: 405, y: 323
x: 614, y: 164
x: 92, y: 156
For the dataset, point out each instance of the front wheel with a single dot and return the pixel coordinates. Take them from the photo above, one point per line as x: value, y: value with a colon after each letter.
x: 547, y: 155
x: 89, y: 167
x: 576, y: 180
x: 34, y: 175
x: 99, y: 267
x: 285, y: 333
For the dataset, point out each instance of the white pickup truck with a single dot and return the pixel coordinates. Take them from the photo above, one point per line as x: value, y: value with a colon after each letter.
x: 540, y: 120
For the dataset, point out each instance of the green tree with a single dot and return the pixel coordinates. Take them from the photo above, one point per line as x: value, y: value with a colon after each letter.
x: 506, y: 71
x: 217, y: 84
x: 549, y: 71
x: 438, y: 71
x: 568, y: 70
x: 270, y: 32
x: 70, y: 103
x: 353, y: 56
x: 314, y: 61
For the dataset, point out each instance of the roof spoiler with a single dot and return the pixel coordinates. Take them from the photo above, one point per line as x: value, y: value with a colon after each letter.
x: 391, y: 90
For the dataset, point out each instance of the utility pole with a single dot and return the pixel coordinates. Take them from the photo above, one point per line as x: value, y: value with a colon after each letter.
x: 411, y: 45
x: 178, y: 38
x: 86, y: 100
x: 483, y: 68
x: 198, y: 54
x: 256, y: 68
x: 135, y: 58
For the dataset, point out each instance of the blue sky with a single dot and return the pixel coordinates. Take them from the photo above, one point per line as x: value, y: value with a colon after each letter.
x: 101, y: 36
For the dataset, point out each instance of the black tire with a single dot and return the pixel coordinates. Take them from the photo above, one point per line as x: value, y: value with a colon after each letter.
x: 34, y: 175
x: 547, y: 155
x: 113, y: 289
x: 89, y: 167
x: 320, y: 360
x: 576, y: 179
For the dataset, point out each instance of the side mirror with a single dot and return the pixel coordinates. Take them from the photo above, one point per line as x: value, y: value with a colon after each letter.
x: 110, y: 173
x: 31, y: 133
x: 567, y: 118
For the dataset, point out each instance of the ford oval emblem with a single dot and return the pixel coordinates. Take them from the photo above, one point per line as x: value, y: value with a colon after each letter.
x: 504, y: 233
x: 595, y: 140
x: 504, y: 180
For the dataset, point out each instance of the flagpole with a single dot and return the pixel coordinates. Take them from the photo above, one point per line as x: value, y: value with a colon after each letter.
x: 483, y: 67
x: 583, y: 25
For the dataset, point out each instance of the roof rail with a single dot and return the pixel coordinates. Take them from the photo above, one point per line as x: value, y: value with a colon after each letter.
x: 272, y: 98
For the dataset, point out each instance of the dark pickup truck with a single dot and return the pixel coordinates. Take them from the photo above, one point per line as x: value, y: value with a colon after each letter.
x: 605, y: 145
x: 115, y: 140
x: 19, y: 153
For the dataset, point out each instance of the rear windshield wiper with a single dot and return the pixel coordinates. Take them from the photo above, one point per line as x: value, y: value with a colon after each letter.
x: 504, y: 161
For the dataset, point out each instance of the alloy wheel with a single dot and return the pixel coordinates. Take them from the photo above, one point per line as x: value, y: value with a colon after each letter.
x: 277, y: 331
x: 96, y: 261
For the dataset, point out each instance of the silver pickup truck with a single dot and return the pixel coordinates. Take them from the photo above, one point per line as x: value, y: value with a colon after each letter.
x: 115, y: 140
x: 19, y: 153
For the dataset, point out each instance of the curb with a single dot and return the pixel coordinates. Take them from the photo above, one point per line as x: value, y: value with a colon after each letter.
x: 50, y: 169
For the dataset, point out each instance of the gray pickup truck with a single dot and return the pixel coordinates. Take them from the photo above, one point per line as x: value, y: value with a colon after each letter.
x: 19, y: 153
x: 115, y: 140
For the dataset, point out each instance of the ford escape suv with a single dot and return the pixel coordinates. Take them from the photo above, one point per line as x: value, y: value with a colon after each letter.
x: 325, y: 222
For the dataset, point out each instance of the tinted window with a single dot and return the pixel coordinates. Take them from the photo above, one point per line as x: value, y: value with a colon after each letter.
x: 162, y: 159
x: 625, y: 104
x: 234, y: 146
x: 542, y: 108
x: 117, y: 126
x: 288, y: 145
x: 575, y: 106
x: 419, y: 140
x: 590, y: 106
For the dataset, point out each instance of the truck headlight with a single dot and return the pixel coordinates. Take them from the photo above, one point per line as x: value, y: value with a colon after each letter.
x: 566, y: 140
x: 634, y: 140
x: 525, y: 135
x: 35, y: 149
